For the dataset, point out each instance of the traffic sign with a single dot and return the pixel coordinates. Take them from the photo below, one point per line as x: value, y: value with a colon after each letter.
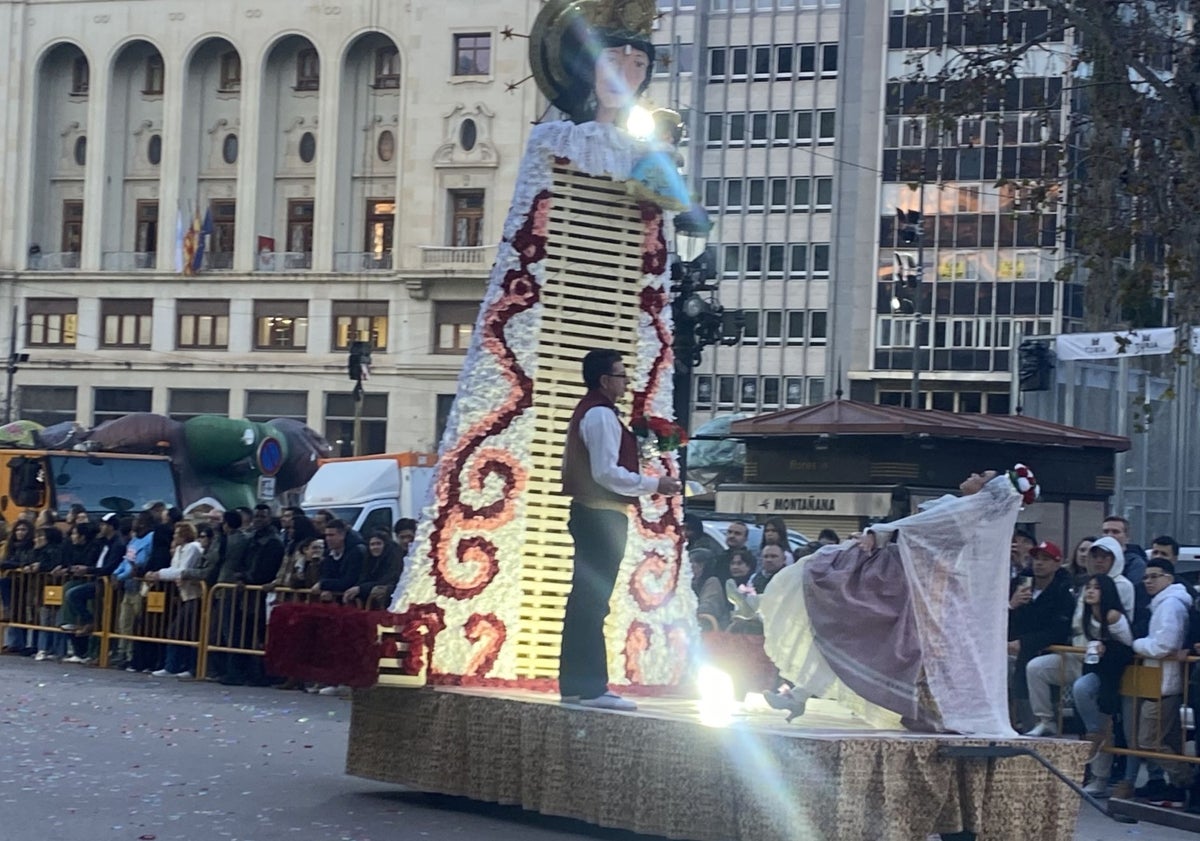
x: 270, y: 456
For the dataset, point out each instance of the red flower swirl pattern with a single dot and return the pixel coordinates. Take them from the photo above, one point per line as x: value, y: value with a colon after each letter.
x: 485, y: 628
x: 418, y: 627
x: 653, y: 582
x: 464, y: 562
x: 637, y: 643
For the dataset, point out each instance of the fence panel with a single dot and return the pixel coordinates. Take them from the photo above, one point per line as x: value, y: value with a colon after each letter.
x: 226, y: 618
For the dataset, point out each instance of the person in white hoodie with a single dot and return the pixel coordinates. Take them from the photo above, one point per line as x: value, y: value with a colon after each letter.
x: 187, y: 554
x: 1049, y: 670
x: 1158, y: 720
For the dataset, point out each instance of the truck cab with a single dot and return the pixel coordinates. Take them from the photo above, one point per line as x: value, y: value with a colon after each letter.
x: 36, y: 480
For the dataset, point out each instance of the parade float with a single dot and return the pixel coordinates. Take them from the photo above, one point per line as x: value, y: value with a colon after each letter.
x: 467, y: 702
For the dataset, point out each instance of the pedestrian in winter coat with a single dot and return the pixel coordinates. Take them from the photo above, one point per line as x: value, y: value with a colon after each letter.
x: 380, y: 572
x: 1040, y: 610
x: 1158, y: 720
x: 1048, y: 670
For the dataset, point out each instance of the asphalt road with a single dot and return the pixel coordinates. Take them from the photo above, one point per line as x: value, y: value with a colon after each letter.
x: 91, y: 755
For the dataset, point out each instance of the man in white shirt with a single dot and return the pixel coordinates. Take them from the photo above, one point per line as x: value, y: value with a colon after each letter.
x: 600, y: 474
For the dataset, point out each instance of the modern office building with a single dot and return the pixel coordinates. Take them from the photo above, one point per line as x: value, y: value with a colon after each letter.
x: 805, y: 143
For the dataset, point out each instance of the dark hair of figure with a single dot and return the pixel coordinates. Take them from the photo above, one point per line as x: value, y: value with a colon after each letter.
x: 1110, y: 599
x: 597, y: 363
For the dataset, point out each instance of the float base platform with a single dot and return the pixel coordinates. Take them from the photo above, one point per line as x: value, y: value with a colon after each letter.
x: 662, y: 771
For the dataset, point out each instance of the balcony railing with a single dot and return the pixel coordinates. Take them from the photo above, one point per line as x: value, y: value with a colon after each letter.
x: 128, y: 261
x: 362, y: 261
x: 283, y: 261
x: 218, y: 261
x: 54, y: 261
x: 453, y: 257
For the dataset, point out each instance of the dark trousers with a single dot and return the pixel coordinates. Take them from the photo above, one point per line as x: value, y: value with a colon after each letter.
x: 78, y: 598
x: 184, y: 625
x: 599, y: 536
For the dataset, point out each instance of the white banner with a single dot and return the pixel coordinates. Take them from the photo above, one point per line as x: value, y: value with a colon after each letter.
x: 1196, y: 340
x: 1153, y: 342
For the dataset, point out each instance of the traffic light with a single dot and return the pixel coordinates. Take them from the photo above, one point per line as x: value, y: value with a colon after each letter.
x: 909, y: 226
x: 360, y: 361
x: 15, y: 359
x: 906, y: 281
x: 1035, y: 363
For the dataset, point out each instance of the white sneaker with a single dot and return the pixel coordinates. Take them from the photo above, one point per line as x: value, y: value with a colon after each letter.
x: 41, y: 656
x: 340, y: 691
x: 1043, y: 728
x: 1097, y: 788
x: 73, y: 659
x: 161, y: 673
x: 185, y: 675
x: 609, y: 701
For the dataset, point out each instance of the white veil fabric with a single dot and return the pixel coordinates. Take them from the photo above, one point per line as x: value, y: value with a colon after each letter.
x: 955, y: 559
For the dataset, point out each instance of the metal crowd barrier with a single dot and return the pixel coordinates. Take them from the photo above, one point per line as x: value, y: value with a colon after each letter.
x: 225, y: 619
x: 36, y: 602
x: 155, y: 612
x: 1141, y: 681
x: 152, y: 612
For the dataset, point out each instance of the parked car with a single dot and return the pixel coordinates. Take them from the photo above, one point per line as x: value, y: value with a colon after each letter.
x: 1187, y: 565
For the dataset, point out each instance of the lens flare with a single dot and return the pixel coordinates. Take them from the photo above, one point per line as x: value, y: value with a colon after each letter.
x: 640, y: 123
x: 717, y: 703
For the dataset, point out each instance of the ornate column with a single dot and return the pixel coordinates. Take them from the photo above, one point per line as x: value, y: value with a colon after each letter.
x: 325, y: 191
x: 99, y: 88
x: 245, y: 236
x: 174, y: 83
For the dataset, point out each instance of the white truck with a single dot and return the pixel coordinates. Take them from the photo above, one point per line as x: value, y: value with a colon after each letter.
x: 371, y: 492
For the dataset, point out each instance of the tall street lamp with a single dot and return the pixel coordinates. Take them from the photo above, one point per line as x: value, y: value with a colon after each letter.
x: 700, y: 320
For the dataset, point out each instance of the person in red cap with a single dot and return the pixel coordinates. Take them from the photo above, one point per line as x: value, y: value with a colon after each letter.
x: 1040, y: 608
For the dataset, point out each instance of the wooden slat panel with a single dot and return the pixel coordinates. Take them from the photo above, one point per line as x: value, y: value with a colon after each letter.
x: 590, y: 299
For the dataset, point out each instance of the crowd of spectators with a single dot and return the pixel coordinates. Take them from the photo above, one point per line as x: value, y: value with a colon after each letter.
x: 319, y: 558
x: 1123, y: 607
x: 716, y: 569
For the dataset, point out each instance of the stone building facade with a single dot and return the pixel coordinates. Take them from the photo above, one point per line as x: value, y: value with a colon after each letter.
x: 350, y: 165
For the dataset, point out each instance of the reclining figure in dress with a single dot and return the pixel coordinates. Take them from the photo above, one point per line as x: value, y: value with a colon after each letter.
x: 907, y: 620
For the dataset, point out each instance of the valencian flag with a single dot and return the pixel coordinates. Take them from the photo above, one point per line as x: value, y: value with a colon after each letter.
x: 190, y: 238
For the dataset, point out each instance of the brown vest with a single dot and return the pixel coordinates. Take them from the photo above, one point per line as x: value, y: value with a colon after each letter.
x: 577, y: 478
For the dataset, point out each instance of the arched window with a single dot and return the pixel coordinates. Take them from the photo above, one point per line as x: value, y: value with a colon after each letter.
x: 231, y: 71
x: 387, y: 68
x: 154, y: 75
x: 308, y: 70
x: 79, y: 76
